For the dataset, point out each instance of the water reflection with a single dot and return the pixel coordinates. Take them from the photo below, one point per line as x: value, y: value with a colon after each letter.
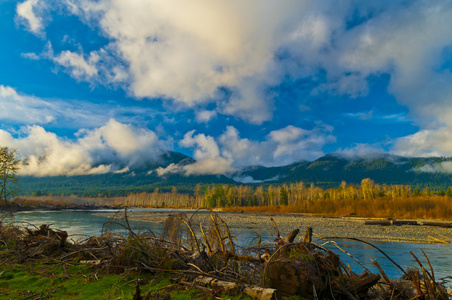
x: 77, y: 223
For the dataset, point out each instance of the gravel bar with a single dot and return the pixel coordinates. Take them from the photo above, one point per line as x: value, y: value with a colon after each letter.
x: 323, y: 226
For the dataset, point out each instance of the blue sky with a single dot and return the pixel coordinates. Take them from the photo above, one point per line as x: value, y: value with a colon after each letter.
x: 96, y: 86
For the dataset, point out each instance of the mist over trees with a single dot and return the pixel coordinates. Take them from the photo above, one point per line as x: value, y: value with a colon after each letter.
x: 326, y: 172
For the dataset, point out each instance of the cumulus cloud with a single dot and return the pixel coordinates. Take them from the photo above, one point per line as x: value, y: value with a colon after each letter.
x: 26, y: 12
x: 428, y: 142
x: 97, y: 151
x: 280, y: 147
x: 229, y: 151
x: 80, y: 67
x: 207, y: 155
x: 189, y: 52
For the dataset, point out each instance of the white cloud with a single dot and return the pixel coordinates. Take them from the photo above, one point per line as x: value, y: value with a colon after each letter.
x: 24, y: 109
x: 212, y: 166
x: 361, y: 151
x: 97, y: 151
x: 207, y: 154
x: 250, y: 179
x: 443, y: 167
x: 170, y: 169
x: 280, y: 147
x: 283, y: 146
x: 206, y: 147
x: 79, y: 67
x: 128, y: 143
x: 295, y: 142
x: 188, y: 52
x: 27, y: 14
x: 436, y: 142
x: 229, y: 152
x: 362, y: 115
x: 204, y: 116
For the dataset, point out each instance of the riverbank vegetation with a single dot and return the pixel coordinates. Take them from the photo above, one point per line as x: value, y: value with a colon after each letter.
x: 367, y: 200
x: 195, y: 257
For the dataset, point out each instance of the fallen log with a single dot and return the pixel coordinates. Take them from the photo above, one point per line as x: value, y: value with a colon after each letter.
x: 404, y: 222
x: 94, y: 262
x: 378, y: 222
x: 255, y: 292
x: 439, y: 224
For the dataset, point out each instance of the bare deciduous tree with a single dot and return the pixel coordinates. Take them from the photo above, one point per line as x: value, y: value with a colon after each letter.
x: 8, y: 178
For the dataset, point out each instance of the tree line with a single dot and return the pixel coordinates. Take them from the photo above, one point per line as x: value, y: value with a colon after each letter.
x: 367, y: 199
x: 300, y: 194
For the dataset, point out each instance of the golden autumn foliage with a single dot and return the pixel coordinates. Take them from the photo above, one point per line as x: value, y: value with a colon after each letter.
x: 367, y: 200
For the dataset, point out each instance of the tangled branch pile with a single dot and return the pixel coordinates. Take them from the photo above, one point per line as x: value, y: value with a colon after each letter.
x: 202, y: 253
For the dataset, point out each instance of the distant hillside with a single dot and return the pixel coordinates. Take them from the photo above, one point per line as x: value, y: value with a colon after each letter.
x: 327, y: 172
x: 119, y: 184
x: 331, y: 169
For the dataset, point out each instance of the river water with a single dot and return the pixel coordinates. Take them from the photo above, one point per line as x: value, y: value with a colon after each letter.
x: 81, y: 224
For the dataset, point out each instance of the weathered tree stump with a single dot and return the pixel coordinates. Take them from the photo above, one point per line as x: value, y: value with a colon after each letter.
x: 294, y: 277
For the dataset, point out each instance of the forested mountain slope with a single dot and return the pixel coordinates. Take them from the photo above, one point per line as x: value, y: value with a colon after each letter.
x: 327, y: 172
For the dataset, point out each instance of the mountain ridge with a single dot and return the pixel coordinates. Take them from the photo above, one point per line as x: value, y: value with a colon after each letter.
x: 327, y: 171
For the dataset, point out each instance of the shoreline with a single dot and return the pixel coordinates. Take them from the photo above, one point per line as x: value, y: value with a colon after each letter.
x: 326, y: 227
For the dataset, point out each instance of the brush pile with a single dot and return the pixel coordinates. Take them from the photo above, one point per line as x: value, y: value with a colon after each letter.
x: 202, y: 253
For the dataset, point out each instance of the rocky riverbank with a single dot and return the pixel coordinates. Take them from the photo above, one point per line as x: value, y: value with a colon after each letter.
x: 326, y: 227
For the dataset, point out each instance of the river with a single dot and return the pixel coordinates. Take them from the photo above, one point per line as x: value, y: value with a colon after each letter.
x: 81, y: 224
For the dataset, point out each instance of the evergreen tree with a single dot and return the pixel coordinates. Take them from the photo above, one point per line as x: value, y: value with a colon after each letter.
x: 283, y: 196
x: 449, y: 192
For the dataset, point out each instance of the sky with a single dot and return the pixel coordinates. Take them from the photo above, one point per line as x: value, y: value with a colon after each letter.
x: 96, y: 86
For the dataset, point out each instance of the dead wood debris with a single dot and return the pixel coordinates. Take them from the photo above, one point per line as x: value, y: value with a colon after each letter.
x: 203, y: 254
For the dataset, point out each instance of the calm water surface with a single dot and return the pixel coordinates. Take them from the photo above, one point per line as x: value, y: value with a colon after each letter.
x: 82, y: 224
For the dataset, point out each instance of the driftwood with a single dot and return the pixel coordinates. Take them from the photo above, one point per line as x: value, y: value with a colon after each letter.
x: 390, y: 222
x: 45, y: 231
x: 255, y: 292
x: 214, y: 263
x: 439, y: 224
x: 438, y: 240
x: 378, y: 222
x: 293, y: 277
x: 404, y: 222
x: 300, y: 269
x: 362, y: 284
